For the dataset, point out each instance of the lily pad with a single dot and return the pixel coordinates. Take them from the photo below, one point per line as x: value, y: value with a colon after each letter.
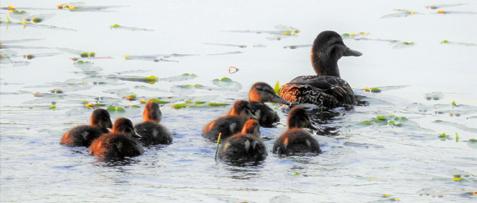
x: 116, y: 109
x: 227, y: 83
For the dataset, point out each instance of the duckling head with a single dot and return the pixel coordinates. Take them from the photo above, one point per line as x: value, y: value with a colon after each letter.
x: 251, y: 127
x: 298, y: 118
x: 241, y: 108
x: 327, y: 49
x: 101, y: 118
x: 262, y: 92
x: 124, y: 126
x: 152, y: 112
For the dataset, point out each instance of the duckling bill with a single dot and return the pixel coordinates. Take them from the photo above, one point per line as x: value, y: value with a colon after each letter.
x: 84, y: 135
x: 325, y: 89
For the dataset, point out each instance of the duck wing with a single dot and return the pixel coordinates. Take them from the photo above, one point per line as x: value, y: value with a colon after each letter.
x: 324, y: 91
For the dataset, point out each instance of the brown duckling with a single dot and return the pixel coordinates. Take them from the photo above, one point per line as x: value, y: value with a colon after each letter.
x: 230, y: 124
x: 244, y: 147
x: 117, y: 144
x: 260, y: 93
x: 296, y: 140
x: 83, y: 135
x: 151, y: 132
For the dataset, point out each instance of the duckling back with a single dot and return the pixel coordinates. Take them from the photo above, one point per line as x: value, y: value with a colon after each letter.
x: 296, y: 141
x: 153, y: 133
x: 225, y: 125
x: 82, y: 135
x: 115, y: 147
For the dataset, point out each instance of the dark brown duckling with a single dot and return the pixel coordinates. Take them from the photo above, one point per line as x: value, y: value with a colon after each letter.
x: 258, y: 94
x: 244, y: 147
x: 117, y: 144
x: 230, y: 124
x: 83, y: 135
x: 296, y: 140
x: 151, y: 132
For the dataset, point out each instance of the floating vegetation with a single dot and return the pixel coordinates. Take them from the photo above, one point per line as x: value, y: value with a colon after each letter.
x: 447, y: 42
x: 399, y: 13
x: 181, y: 77
x: 157, y: 57
x: 296, y: 46
x: 197, y: 104
x: 52, y: 106
x: 119, y: 109
x: 440, y: 6
x: 233, y: 69
x: 227, y: 83
x: 155, y: 100
x: 91, y: 105
x: 280, y: 32
x: 354, y: 35
x: 457, y: 178
x: 391, y: 120
x: 372, y: 89
x: 151, y: 79
x: 363, y: 36
x: 80, y: 6
x: 56, y: 91
x: 130, y: 97
x: 277, y: 87
x: 444, y: 12
x: 390, y: 197
x: 122, y: 27
x: 434, y: 96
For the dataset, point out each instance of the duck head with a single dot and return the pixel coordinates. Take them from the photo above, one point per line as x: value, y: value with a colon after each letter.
x: 251, y: 127
x: 152, y: 112
x: 241, y: 108
x: 262, y: 92
x: 327, y: 49
x: 124, y: 126
x: 101, y: 119
x: 298, y: 118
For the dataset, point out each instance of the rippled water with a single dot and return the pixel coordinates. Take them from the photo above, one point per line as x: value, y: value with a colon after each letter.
x: 364, y: 163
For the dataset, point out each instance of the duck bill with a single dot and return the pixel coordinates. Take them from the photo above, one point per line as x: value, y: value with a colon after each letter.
x: 278, y: 99
x: 351, y: 52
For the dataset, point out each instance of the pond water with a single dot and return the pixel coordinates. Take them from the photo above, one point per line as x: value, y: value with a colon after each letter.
x: 430, y: 82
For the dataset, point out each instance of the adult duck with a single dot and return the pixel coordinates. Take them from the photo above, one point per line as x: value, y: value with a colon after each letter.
x: 151, y: 132
x: 296, y: 140
x: 325, y: 89
x: 258, y: 94
x: 244, y: 147
x: 83, y: 135
x: 227, y: 125
x: 118, y: 144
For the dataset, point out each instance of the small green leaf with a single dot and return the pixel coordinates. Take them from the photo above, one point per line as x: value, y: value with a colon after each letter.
x: 216, y: 104
x: 179, y: 106
x: 115, y: 26
x: 151, y: 79
x: 276, y: 88
x: 53, y: 106
x: 457, y: 178
x: 116, y: 109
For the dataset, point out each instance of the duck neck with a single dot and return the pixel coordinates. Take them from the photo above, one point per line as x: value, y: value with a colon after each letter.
x: 324, y: 65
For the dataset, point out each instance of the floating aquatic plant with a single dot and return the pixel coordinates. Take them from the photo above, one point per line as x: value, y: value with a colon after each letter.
x: 56, y: 91
x: 401, y: 13
x: 447, y: 42
x: 112, y: 108
x: 457, y: 178
x: 91, y: 105
x: 353, y: 35
x: 52, y: 106
x: 372, y: 89
x: 277, y: 88
x: 130, y: 97
x: 155, y: 100
x: 391, y: 120
x: 225, y: 82
x: 197, y: 104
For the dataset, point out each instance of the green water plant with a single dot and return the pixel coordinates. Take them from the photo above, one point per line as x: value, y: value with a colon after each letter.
x: 113, y: 108
x: 372, y: 89
x: 390, y: 120
x: 277, y: 88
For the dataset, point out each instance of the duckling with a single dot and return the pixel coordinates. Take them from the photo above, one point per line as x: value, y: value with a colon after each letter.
x: 230, y: 124
x: 118, y: 144
x: 296, y: 140
x: 83, y: 135
x: 244, y: 147
x: 151, y: 132
x: 326, y: 89
x: 258, y: 94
